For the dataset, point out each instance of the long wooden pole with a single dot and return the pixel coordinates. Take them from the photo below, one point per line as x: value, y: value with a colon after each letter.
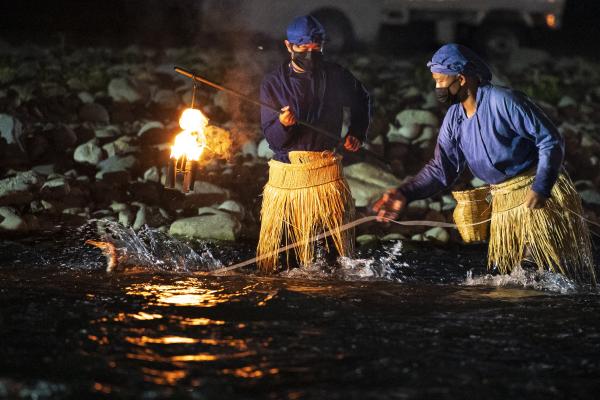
x: 200, y: 79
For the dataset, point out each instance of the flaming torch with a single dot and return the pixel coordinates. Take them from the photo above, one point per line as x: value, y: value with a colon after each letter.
x: 187, y: 149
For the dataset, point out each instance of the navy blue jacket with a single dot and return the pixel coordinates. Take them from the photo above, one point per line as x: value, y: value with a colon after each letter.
x: 318, y: 98
x: 508, y: 135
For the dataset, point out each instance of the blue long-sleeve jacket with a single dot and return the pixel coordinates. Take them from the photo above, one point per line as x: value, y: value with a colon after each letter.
x: 508, y: 135
x: 315, y: 97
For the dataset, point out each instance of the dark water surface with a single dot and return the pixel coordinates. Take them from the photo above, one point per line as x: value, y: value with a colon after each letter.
x: 409, y: 323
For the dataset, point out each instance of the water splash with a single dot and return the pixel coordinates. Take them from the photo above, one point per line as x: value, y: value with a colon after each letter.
x: 385, y: 267
x: 524, y: 278
x: 151, y: 249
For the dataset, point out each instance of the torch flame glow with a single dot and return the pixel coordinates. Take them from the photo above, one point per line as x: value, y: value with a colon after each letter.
x: 192, y: 141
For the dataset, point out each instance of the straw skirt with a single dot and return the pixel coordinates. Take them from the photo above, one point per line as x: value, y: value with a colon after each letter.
x: 554, y: 237
x: 301, y: 200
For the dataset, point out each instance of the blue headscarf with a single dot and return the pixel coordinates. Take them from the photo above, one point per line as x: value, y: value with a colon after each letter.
x: 305, y: 29
x: 453, y: 59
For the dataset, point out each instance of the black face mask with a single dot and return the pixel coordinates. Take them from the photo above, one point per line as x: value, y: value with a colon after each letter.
x: 307, y: 60
x: 444, y: 95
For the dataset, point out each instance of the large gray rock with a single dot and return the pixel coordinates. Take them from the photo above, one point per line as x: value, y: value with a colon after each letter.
x: 127, y: 90
x: 19, y: 189
x: 11, y: 221
x: 364, y: 193
x: 213, y: 225
x: 11, y: 129
x: 369, y: 173
x: 88, y: 152
x: 417, y: 117
x: 367, y: 182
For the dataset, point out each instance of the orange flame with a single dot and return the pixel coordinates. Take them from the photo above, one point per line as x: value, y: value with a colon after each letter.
x: 192, y: 141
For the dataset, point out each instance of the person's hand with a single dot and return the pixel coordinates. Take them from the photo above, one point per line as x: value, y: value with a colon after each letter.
x: 390, y: 205
x: 534, y: 200
x: 287, y: 117
x: 352, y: 143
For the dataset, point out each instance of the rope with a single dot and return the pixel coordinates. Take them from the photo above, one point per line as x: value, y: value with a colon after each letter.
x: 364, y: 220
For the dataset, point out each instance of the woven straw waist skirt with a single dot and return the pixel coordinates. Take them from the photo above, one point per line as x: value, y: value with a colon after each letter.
x: 307, y: 169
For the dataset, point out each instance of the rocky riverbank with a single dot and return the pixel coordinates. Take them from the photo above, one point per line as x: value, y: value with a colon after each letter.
x: 86, y: 134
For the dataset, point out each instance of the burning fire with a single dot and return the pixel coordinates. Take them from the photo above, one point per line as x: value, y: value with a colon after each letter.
x: 187, y: 149
x: 192, y: 141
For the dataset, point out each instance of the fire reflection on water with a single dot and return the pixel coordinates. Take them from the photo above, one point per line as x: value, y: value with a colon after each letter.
x: 169, y: 345
x: 185, y: 293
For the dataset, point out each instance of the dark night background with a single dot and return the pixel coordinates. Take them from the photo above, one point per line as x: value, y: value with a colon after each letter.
x: 168, y: 22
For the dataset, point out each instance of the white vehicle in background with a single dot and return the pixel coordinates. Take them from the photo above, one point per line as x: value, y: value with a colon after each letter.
x: 496, y: 25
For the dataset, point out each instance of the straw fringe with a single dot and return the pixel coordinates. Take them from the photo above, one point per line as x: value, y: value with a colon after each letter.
x: 299, y: 201
x: 554, y: 237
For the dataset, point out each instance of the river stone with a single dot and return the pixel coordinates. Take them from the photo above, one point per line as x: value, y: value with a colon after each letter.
x: 476, y: 183
x: 94, y: 112
x: 588, y: 141
x: 204, y: 194
x: 233, y: 207
x: 403, y: 134
x: 11, y: 129
x: 18, y: 189
x: 121, y: 146
x: 393, y: 237
x: 250, y: 149
x: 127, y: 90
x: 152, y: 174
x: 367, y: 240
x: 117, y: 163
x: 590, y: 196
x: 55, y: 189
x: 364, y: 193
x: 438, y: 234
x: 216, y: 226
x: 264, y: 151
x: 166, y: 98
x: 44, y: 169
x: 88, y: 152
x: 85, y: 97
x: 416, y: 117
x: 369, y: 173
x: 140, y: 218
x: 154, y: 132
x: 11, y: 221
x: 448, y: 203
x: 427, y: 135
x: 109, y: 131
x: 567, y: 101
x: 126, y: 217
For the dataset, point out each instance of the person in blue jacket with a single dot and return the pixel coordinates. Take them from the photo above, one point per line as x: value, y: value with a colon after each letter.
x: 501, y: 136
x: 308, y: 88
x: 305, y: 177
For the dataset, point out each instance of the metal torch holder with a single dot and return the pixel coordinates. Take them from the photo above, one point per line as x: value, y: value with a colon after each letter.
x: 184, y: 170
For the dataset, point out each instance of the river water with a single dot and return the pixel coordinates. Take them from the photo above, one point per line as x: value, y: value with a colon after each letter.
x: 402, y: 321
